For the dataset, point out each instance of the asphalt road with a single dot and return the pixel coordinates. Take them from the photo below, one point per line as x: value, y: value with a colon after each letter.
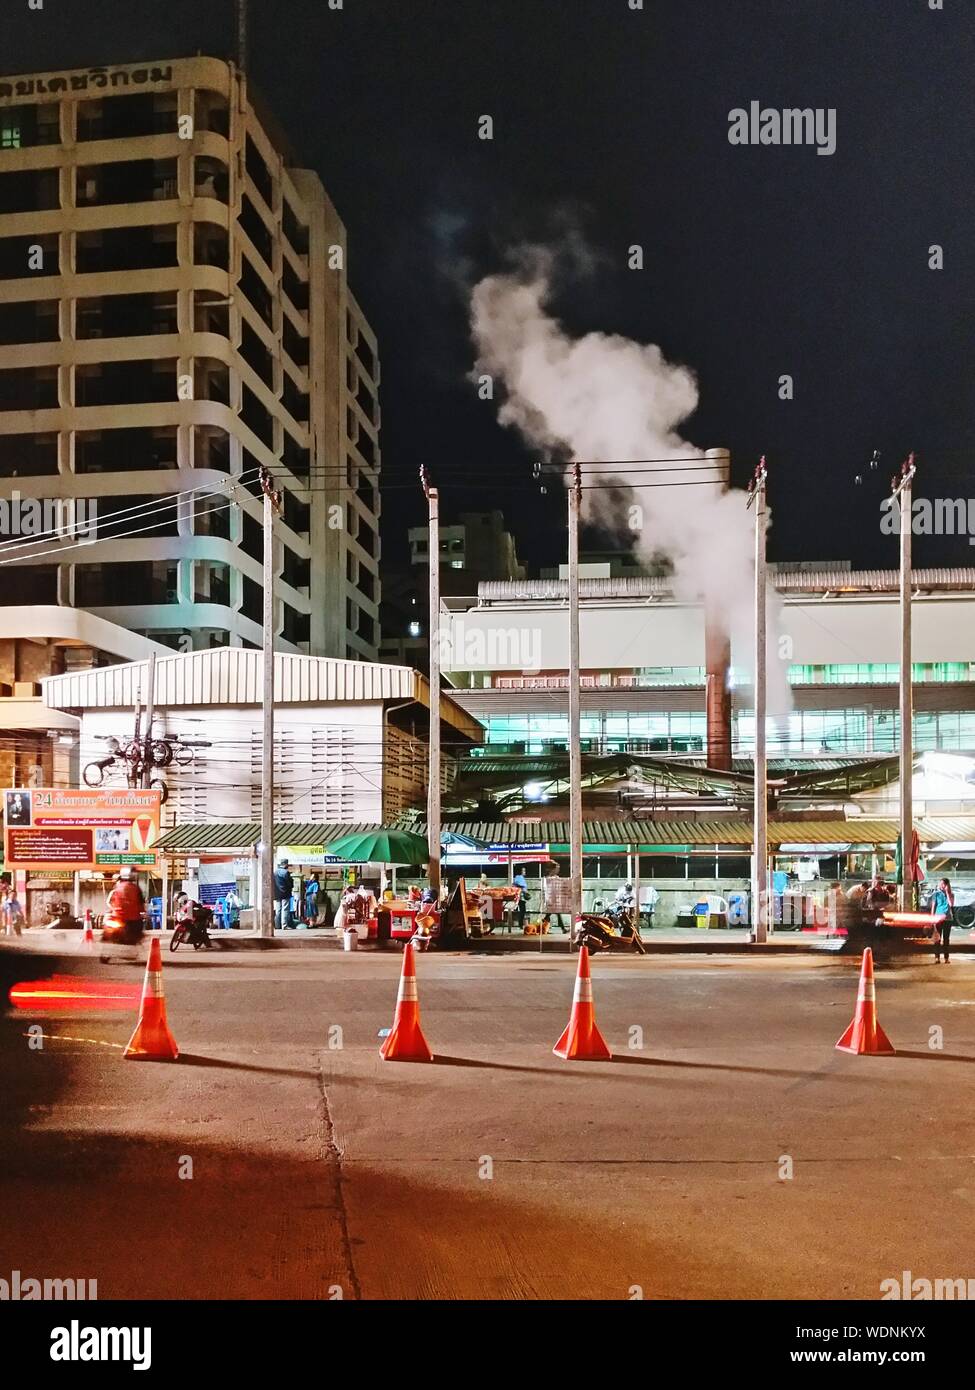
x: 734, y: 1154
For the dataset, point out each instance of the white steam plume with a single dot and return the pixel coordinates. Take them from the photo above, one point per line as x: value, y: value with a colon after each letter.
x: 603, y: 397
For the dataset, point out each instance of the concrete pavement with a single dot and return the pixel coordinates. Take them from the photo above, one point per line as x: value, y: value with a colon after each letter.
x: 666, y: 941
x: 500, y: 1171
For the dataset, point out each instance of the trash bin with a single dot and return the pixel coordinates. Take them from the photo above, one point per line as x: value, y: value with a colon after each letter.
x: 350, y: 939
x: 384, y: 927
x: 702, y: 913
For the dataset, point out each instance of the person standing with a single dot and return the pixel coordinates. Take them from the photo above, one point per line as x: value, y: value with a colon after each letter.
x: 232, y: 906
x: 521, y: 883
x: 555, y: 874
x: 284, y: 886
x: 650, y: 897
x: 13, y: 913
x: 311, y: 900
x: 943, y: 906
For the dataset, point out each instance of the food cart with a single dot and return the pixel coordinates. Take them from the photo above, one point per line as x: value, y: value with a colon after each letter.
x: 498, y: 899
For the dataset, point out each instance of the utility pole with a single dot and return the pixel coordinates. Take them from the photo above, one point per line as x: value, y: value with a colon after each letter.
x: 272, y: 502
x: 242, y: 35
x: 575, y: 747
x: 433, y: 776
x: 133, y: 756
x: 902, y: 490
x: 761, y: 901
x: 150, y: 715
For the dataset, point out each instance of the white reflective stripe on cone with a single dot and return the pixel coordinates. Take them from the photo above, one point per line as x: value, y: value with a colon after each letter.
x: 583, y: 992
x: 156, y: 984
x: 868, y: 991
x: 407, y: 990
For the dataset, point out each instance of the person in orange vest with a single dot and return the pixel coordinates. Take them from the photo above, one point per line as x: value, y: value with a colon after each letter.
x: 126, y: 910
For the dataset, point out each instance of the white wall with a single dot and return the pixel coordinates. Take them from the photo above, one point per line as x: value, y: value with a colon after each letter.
x: 328, y: 761
x: 622, y: 635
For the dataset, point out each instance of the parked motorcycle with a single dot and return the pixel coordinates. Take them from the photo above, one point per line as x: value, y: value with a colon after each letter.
x: 607, y: 931
x: 193, y: 926
x: 63, y: 918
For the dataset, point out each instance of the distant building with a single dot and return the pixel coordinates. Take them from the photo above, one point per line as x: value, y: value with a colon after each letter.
x: 175, y: 312
x: 404, y: 618
x: 609, y: 564
x: 478, y: 547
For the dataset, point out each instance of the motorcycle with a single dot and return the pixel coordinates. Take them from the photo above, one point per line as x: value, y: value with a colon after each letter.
x: 612, y: 930
x: 194, y: 929
x: 63, y: 918
x: 119, y: 933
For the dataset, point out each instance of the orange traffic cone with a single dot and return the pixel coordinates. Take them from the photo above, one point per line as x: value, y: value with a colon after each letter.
x: 865, y: 1034
x: 582, y: 1040
x: 152, y: 1041
x: 406, y: 1042
x: 88, y: 936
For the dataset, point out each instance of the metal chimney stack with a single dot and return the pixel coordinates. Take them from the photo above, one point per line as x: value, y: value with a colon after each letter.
x: 717, y: 659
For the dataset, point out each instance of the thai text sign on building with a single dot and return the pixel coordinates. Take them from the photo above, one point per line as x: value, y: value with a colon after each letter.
x: 59, y: 828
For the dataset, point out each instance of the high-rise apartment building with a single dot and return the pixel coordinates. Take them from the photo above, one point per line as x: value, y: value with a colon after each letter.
x: 175, y: 313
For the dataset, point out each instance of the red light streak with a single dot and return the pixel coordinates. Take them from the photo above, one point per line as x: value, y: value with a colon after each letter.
x: 913, y: 919
x: 74, y: 995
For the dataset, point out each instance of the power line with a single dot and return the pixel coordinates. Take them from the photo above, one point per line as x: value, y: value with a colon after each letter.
x: 137, y: 512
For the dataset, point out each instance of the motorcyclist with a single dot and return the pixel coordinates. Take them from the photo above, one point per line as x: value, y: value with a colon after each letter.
x: 624, y: 896
x: 194, y: 919
x: 125, y: 922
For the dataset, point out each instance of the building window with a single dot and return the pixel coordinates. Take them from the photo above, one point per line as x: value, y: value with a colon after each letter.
x: 29, y: 584
x: 115, y: 585
x: 212, y: 583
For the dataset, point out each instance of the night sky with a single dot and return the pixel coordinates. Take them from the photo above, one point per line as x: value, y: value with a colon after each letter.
x: 759, y: 260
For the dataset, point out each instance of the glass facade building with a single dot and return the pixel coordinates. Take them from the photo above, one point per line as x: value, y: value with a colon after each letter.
x: 849, y: 730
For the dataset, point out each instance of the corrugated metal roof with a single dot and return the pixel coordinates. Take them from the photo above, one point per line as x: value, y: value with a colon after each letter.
x: 849, y: 776
x: 241, y: 835
x: 858, y: 830
x: 233, y: 676
x: 960, y: 579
